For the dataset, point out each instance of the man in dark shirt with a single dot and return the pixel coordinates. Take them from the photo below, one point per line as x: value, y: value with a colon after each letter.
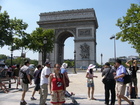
x: 133, y: 68
x: 109, y: 73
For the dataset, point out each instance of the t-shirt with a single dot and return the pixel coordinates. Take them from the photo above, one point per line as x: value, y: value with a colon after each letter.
x: 16, y: 71
x: 108, y: 73
x: 43, y: 79
x: 134, y: 71
x: 24, y: 69
x: 121, y: 70
x: 89, y: 74
x: 63, y: 70
x: 37, y: 74
x: 57, y: 83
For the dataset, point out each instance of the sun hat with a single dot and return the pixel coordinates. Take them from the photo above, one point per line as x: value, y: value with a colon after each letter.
x: 91, y: 66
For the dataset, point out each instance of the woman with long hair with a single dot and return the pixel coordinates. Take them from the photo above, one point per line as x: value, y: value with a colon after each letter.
x: 57, y: 86
x: 90, y: 81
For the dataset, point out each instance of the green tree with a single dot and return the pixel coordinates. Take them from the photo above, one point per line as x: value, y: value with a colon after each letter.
x: 70, y: 63
x: 5, y: 36
x: 12, y: 32
x: 130, y: 27
x: 37, y: 41
x: 35, y: 62
x: 2, y: 56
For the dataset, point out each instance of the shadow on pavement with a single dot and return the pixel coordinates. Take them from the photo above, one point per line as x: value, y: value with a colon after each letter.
x: 32, y: 104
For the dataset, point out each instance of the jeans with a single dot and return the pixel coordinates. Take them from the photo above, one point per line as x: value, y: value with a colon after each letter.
x: 110, y: 86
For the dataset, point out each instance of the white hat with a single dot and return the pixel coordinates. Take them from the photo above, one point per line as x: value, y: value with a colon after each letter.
x: 91, y: 66
x: 64, y: 65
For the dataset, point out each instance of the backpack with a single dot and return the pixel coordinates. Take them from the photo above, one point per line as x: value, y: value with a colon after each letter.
x: 25, y: 78
x: 66, y: 80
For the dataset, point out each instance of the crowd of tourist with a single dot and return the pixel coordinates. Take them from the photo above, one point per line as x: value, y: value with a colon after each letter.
x: 57, y: 81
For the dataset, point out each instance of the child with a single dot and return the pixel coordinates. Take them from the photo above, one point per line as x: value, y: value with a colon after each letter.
x: 90, y: 82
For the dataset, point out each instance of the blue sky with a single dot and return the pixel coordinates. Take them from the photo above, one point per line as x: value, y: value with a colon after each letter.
x: 107, y: 13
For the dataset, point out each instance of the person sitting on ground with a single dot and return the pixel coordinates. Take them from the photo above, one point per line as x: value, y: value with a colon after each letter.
x: 37, y: 74
x: 57, y: 86
x: 3, y: 85
x: 90, y: 82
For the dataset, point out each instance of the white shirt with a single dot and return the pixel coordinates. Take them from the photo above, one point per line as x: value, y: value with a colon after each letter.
x: 43, y: 79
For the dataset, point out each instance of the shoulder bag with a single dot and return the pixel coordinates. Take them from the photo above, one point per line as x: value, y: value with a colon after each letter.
x: 104, y: 80
x: 127, y: 78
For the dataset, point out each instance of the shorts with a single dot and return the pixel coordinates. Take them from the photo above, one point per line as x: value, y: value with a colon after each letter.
x: 120, y: 88
x: 37, y: 87
x: 58, y: 97
x: 24, y: 86
x: 134, y: 81
x: 90, y: 83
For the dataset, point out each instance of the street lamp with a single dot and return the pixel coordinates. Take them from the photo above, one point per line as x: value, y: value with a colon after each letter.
x: 44, y: 56
x: 101, y: 59
x: 113, y: 37
x: 75, y: 62
x: 11, y: 55
x: 0, y: 8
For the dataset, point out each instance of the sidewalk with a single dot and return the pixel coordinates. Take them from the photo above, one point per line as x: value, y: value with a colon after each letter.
x: 77, y: 85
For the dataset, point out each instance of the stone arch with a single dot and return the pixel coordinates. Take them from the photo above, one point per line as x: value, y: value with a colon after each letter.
x: 80, y: 24
x: 60, y: 40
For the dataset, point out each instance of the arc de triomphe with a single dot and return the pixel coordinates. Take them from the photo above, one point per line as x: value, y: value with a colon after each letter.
x: 80, y: 24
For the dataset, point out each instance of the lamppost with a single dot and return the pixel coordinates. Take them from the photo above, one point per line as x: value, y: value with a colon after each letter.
x: 0, y: 8
x: 113, y: 37
x: 75, y: 62
x: 101, y: 59
x: 45, y: 50
x: 11, y: 56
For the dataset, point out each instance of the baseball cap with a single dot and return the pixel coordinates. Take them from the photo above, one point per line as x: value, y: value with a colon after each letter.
x: 47, y: 62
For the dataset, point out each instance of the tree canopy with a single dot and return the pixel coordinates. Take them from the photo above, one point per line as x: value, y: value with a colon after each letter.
x: 37, y: 40
x: 5, y: 35
x: 130, y: 27
x: 12, y: 32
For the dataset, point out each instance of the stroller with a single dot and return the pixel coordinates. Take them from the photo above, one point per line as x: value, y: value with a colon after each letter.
x: 70, y: 95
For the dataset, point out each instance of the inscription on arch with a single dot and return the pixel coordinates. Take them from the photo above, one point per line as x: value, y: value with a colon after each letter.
x: 84, y: 32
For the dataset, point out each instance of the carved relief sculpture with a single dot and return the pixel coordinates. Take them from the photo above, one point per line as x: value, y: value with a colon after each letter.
x: 85, y: 51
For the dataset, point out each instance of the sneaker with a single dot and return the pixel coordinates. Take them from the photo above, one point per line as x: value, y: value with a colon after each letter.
x: 132, y: 103
x: 23, y: 102
x: 32, y: 98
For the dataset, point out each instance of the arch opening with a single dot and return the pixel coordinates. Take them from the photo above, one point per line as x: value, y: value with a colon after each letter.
x: 61, y: 43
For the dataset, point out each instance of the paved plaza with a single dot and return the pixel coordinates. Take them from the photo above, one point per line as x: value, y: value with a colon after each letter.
x: 77, y: 85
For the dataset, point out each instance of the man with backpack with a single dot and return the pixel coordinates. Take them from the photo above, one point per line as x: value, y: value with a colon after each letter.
x: 24, y: 80
x: 120, y: 73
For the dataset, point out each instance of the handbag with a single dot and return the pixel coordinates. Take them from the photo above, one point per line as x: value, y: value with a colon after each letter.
x: 104, y: 80
x: 127, y: 78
